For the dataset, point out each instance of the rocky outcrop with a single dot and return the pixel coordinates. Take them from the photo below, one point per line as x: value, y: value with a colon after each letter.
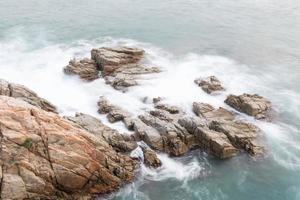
x: 44, y: 156
x: 120, y: 66
x: 210, y: 84
x: 241, y: 134
x: 86, y: 69
x: 120, y: 142
x: 114, y: 113
x: 253, y: 105
x: 111, y: 59
x: 168, y: 129
x: 25, y: 94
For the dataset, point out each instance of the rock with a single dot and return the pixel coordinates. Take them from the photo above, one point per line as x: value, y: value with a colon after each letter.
x: 86, y: 69
x: 21, y: 92
x: 120, y: 66
x: 120, y: 81
x: 253, y: 105
x: 114, y: 113
x: 242, y: 135
x: 211, y: 141
x: 44, y: 156
x: 210, y: 113
x: 210, y: 84
x: 110, y: 59
x: 120, y: 142
x: 151, y: 159
x: 169, y: 108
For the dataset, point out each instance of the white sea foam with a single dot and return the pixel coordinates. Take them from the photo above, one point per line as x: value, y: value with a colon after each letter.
x: 41, y: 70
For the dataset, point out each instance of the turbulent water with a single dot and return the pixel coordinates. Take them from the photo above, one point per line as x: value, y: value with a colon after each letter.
x: 251, y: 46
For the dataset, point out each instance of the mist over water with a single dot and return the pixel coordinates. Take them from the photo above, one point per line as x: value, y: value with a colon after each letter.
x: 251, y: 46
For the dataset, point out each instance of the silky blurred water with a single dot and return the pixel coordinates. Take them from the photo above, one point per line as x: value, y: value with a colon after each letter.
x: 252, y: 46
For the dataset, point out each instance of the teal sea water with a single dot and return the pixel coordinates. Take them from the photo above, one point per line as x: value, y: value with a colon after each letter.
x: 252, y: 46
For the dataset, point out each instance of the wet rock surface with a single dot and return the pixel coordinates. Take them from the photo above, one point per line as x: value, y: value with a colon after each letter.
x: 168, y: 129
x: 86, y: 69
x: 21, y: 92
x: 209, y: 84
x: 253, y: 105
x: 44, y: 156
x: 151, y: 159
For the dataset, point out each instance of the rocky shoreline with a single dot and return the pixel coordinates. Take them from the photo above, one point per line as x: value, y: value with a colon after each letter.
x: 46, y: 156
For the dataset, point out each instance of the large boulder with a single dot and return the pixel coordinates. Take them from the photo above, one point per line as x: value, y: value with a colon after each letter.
x: 209, y: 84
x: 21, y: 92
x: 110, y: 59
x: 120, y: 66
x: 86, y: 69
x: 44, y: 156
x: 253, y: 105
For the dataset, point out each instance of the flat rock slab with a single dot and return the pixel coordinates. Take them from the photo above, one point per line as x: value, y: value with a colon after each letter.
x: 253, y: 105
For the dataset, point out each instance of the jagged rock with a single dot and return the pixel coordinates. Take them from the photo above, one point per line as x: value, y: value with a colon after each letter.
x: 110, y: 59
x: 44, y: 156
x: 210, y: 113
x: 151, y: 159
x: 210, y: 84
x: 120, y: 66
x: 253, y: 105
x: 114, y: 113
x: 211, y: 141
x: 169, y: 108
x: 86, y: 68
x: 242, y: 135
x: 21, y: 92
x: 120, y: 81
x: 120, y: 142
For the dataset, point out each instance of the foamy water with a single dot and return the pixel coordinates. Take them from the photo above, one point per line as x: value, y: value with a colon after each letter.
x: 41, y: 70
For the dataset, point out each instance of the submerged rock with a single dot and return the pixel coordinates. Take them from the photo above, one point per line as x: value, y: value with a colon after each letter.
x: 210, y: 84
x: 21, y: 92
x: 86, y: 68
x: 44, y: 156
x: 253, y: 105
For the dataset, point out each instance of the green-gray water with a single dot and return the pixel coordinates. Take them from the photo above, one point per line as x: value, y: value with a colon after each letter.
x: 252, y: 46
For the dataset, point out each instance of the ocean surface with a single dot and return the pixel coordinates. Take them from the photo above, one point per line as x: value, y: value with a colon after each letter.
x: 250, y: 45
